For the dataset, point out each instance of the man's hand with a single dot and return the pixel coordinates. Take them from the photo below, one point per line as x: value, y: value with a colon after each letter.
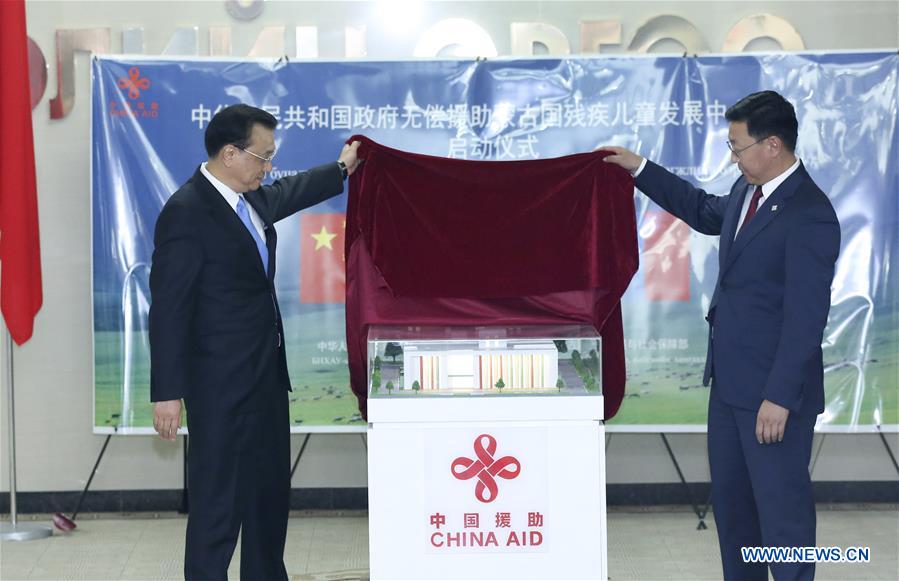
x: 348, y: 156
x: 621, y: 156
x: 167, y: 418
x: 771, y: 422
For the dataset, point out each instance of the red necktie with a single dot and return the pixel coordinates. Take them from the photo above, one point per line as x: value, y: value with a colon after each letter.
x: 753, y: 206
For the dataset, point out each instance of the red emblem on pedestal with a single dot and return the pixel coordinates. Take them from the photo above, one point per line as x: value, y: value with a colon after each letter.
x: 485, y: 468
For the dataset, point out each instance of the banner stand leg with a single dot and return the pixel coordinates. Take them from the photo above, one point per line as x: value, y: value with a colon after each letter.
x: 299, y: 455
x: 91, y: 477
x: 811, y: 469
x: 185, y: 505
x: 65, y: 523
x: 700, y: 514
x: 887, y: 446
x: 14, y: 530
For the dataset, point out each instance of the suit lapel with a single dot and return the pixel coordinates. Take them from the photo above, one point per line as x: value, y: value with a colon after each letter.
x: 225, y: 216
x: 774, y: 206
x: 268, y: 227
x: 725, y: 242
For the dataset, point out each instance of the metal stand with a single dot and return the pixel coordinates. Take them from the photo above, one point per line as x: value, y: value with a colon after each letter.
x: 91, y: 477
x: 185, y: 505
x: 67, y: 524
x: 14, y: 530
x: 299, y: 455
x: 700, y: 514
x: 887, y: 446
x: 814, y: 462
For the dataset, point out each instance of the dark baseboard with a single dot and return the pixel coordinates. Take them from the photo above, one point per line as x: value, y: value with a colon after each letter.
x: 357, y: 498
x: 95, y: 501
x: 170, y: 500
x: 875, y: 491
x: 861, y: 492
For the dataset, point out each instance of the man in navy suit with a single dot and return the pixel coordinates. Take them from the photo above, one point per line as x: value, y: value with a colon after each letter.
x: 780, y: 239
x: 217, y: 341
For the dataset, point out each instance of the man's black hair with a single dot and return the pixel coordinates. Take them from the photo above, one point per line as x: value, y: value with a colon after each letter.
x: 766, y: 114
x: 233, y: 125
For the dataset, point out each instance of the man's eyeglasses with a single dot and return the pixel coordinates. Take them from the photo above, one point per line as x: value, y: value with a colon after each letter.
x: 730, y: 146
x: 257, y: 156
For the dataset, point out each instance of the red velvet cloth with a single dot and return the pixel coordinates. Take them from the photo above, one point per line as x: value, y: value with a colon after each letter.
x: 21, y: 294
x: 438, y: 242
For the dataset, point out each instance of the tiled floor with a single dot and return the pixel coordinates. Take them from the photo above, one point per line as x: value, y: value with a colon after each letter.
x: 643, y: 544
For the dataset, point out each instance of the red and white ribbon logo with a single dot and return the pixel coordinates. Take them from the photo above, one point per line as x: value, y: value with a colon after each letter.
x: 486, y: 468
x: 134, y: 83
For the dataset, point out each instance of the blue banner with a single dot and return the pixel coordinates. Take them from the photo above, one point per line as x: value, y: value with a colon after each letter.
x: 149, y: 115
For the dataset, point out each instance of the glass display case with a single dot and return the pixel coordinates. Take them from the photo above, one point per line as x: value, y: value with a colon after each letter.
x: 484, y: 361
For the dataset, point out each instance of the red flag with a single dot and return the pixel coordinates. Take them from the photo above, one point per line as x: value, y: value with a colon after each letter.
x: 666, y: 258
x: 322, y: 270
x: 20, y: 253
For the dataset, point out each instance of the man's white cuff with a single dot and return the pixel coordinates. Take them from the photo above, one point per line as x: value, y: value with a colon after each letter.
x: 639, y: 169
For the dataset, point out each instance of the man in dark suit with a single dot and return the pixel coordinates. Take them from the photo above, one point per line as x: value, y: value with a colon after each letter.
x: 780, y: 239
x: 217, y: 341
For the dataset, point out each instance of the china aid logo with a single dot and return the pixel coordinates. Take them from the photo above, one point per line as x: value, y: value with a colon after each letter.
x: 486, y: 468
x: 134, y: 83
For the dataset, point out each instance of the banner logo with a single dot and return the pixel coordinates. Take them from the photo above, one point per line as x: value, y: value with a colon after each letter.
x: 134, y: 83
x: 133, y: 107
x: 485, y: 468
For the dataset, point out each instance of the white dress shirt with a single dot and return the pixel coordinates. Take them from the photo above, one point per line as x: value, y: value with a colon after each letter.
x: 232, y: 198
x: 767, y: 189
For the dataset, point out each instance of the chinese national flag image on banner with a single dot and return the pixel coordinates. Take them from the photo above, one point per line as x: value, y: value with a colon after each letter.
x: 322, y: 270
x: 666, y: 258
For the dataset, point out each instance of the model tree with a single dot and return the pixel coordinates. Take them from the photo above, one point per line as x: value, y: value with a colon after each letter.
x: 577, y: 362
x: 560, y: 384
x: 593, y: 362
x: 389, y: 387
x: 500, y: 384
x: 393, y: 350
x: 376, y: 379
x: 416, y: 387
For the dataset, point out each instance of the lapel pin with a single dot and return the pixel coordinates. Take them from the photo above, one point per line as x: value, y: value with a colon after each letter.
x: 774, y: 208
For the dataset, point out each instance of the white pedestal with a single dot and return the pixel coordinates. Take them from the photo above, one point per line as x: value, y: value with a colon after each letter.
x: 536, y: 509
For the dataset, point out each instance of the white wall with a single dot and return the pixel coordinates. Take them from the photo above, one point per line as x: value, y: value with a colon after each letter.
x: 53, y: 378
